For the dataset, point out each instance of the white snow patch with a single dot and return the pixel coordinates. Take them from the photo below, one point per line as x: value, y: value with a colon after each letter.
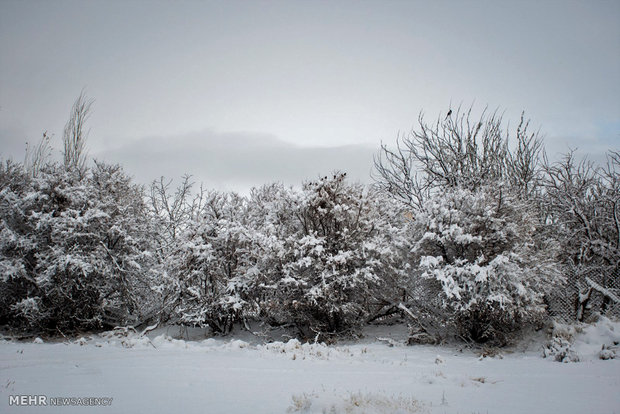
x: 584, y: 342
x: 595, y: 337
x: 162, y: 374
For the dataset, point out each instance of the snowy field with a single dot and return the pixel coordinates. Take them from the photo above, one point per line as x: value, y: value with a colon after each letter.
x: 164, y: 375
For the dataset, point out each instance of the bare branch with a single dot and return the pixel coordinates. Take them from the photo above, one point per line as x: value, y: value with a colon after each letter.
x: 458, y: 150
x: 74, y: 136
x: 37, y: 156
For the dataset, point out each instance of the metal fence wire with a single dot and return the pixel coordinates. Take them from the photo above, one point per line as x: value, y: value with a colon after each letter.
x: 588, y: 291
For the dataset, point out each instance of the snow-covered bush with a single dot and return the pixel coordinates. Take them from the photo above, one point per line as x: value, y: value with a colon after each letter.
x: 483, y: 246
x: 560, y: 349
x: 609, y: 351
x: 212, y: 267
x: 17, y: 245
x: 75, y: 248
x: 490, y: 270
x: 336, y: 260
x: 321, y: 258
x: 274, y: 226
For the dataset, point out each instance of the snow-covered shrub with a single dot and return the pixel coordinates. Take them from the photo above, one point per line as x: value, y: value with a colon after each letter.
x: 609, y: 351
x: 321, y: 258
x: 275, y: 227
x: 339, y: 265
x: 212, y: 266
x: 474, y: 198
x: 560, y: 349
x: 76, y: 251
x: 481, y: 251
x: 333, y: 262
x: 560, y: 345
x: 18, y: 246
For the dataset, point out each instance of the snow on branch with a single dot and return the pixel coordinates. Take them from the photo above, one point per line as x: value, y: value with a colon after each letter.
x: 603, y: 290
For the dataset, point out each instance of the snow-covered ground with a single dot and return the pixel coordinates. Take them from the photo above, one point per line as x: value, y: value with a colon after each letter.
x: 164, y: 375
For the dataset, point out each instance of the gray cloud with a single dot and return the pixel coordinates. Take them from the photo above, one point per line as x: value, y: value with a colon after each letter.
x: 12, y: 143
x: 236, y: 161
x: 314, y: 74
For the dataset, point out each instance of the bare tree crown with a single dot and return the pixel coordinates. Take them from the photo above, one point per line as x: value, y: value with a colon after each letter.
x: 74, y: 135
x: 38, y: 155
x: 457, y: 150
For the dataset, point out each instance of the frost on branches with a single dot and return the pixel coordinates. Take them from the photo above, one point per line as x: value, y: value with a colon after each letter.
x: 212, y: 266
x: 339, y: 259
x: 481, y: 250
x: 75, y: 248
x: 582, y: 203
x: 320, y: 259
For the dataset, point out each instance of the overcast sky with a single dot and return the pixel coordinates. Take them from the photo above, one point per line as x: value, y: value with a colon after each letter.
x: 239, y: 93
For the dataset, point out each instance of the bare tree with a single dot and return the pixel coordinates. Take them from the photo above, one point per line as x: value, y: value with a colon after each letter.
x: 582, y: 200
x: 74, y: 135
x: 174, y: 211
x: 523, y: 164
x: 38, y: 155
x: 457, y: 151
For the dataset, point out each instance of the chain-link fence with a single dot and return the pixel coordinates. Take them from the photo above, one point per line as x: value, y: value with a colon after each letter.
x: 588, y: 291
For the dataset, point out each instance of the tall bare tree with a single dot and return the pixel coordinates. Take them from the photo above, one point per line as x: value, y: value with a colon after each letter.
x: 74, y: 135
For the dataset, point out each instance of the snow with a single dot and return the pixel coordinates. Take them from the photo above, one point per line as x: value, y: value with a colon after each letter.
x: 590, y: 338
x: 159, y: 374
x: 430, y: 261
